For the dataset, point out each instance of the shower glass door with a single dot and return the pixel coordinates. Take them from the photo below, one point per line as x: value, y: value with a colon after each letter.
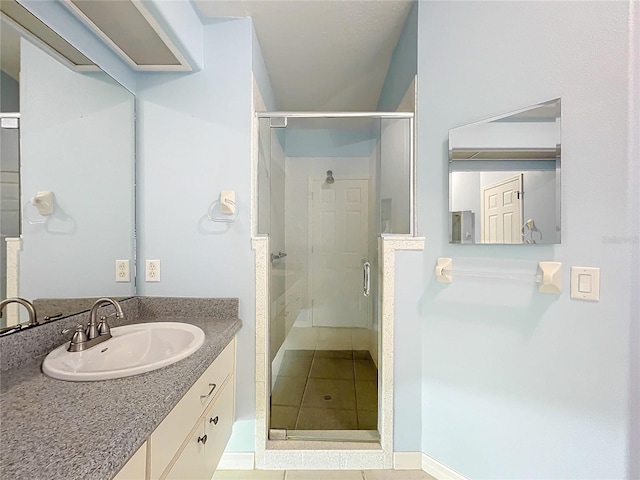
x: 319, y: 200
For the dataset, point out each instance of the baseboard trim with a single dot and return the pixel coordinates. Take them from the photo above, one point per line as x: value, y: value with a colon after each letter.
x: 407, y: 460
x: 401, y: 461
x: 439, y: 470
x: 236, y: 461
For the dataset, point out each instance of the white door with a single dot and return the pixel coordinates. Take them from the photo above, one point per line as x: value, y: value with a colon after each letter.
x: 338, y: 238
x: 502, y: 211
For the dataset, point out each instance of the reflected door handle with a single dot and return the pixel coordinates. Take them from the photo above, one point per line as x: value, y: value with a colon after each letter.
x: 366, y: 286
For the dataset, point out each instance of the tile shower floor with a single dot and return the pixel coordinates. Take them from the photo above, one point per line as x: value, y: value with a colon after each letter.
x: 325, y: 390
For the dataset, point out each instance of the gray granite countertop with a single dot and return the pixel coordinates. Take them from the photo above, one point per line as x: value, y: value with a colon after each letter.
x: 52, y: 429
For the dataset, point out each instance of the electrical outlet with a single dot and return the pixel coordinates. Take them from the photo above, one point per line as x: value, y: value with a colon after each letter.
x: 123, y: 273
x: 152, y: 273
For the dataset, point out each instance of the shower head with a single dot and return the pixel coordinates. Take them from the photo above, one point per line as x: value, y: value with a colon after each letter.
x: 330, y: 178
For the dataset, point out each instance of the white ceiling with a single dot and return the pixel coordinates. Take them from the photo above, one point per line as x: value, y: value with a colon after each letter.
x: 322, y: 55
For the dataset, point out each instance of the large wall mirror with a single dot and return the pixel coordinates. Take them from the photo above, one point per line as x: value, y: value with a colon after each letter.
x: 504, y: 178
x: 68, y: 151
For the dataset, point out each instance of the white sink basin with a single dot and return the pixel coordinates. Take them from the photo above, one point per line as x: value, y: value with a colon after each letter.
x: 133, y: 349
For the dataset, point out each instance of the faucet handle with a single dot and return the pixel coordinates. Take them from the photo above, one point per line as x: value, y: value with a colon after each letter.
x: 92, y: 330
x: 103, y: 326
x: 78, y: 337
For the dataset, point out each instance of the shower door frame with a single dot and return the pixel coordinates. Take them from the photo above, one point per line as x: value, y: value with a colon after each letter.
x: 294, y: 454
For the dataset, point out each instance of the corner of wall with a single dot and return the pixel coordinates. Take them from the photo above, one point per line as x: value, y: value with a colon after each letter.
x: 261, y: 72
x: 182, y: 23
x: 403, y: 66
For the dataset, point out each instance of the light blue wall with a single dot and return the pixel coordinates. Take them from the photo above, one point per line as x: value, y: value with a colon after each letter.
x: 10, y: 94
x: 403, y: 66
x: 194, y: 140
x: 518, y: 384
x: 62, y: 21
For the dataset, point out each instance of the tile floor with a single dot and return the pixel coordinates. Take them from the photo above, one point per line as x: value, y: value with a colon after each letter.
x: 325, y: 390
x: 327, y: 338
x: 321, y: 475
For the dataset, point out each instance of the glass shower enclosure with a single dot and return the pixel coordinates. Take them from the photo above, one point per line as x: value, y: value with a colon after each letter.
x: 329, y: 186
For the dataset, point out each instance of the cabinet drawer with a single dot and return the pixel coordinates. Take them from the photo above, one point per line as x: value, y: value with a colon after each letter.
x: 171, y: 433
x: 200, y: 456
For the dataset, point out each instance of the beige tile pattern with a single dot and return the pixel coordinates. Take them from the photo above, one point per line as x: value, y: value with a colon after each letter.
x: 316, y: 390
x: 288, y: 391
x: 397, y: 475
x: 322, y: 475
x: 327, y: 419
x: 335, y: 368
x: 249, y: 475
x: 329, y: 393
x: 367, y: 396
x: 365, y: 370
x: 284, y: 417
x: 327, y: 338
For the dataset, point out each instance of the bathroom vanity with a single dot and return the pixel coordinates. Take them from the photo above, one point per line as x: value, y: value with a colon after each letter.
x: 168, y: 423
x: 190, y: 440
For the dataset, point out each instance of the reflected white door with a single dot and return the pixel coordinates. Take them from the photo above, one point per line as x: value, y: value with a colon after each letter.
x: 338, y: 238
x: 502, y: 211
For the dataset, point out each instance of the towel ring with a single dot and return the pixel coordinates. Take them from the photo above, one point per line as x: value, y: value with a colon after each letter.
x: 221, y: 217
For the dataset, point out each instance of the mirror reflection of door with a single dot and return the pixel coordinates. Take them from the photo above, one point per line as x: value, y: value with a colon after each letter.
x: 527, y: 143
x: 338, y: 238
x: 502, y: 211
x: 10, y: 184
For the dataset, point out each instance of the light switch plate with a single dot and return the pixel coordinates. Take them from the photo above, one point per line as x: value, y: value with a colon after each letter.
x: 585, y: 283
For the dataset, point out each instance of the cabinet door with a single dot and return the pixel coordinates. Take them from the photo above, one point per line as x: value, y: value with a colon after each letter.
x: 218, y: 423
x: 200, y: 456
x: 190, y: 463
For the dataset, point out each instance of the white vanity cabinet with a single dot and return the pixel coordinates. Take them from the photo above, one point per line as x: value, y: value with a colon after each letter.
x: 190, y: 440
x: 136, y: 467
x: 200, y: 455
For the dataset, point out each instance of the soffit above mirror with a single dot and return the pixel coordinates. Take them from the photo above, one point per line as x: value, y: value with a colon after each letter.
x: 16, y: 16
x: 132, y: 32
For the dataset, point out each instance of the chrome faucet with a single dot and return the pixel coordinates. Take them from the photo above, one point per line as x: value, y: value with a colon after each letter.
x: 33, y: 318
x: 96, y: 332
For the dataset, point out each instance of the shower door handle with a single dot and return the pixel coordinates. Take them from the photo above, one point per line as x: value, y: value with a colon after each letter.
x: 366, y: 287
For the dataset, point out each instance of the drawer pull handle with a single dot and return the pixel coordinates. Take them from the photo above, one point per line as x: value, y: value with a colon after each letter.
x: 202, y: 439
x: 213, y: 387
x: 214, y: 420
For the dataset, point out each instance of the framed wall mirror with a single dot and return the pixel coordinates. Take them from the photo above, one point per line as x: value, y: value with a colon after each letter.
x: 68, y: 192
x: 504, y: 178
